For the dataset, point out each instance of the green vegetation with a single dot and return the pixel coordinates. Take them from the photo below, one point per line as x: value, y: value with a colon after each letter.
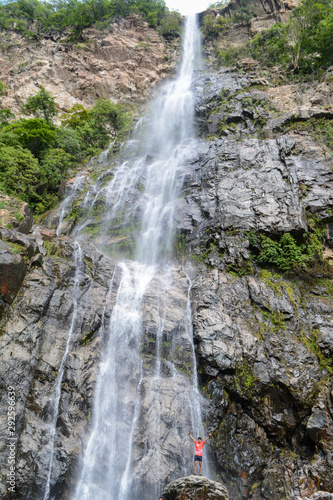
x: 310, y: 341
x: 42, y: 105
x: 170, y: 25
x: 33, y: 18
x: 213, y: 24
x: 303, y: 45
x: 244, y: 380
x: 35, y: 154
x: 321, y: 129
x: 285, y: 252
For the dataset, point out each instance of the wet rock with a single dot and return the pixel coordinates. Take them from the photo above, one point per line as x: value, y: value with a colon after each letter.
x: 195, y: 488
x: 12, y: 273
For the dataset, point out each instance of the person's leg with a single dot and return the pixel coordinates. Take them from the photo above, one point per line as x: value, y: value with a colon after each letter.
x: 200, y: 464
x: 195, y: 466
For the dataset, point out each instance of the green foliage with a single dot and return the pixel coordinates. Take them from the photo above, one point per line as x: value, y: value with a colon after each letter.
x: 91, y: 130
x: 170, y: 25
x: 244, y: 380
x: 74, y: 15
x: 69, y: 140
x: 36, y: 154
x: 52, y: 168
x: 42, y: 105
x: 107, y: 118
x: 5, y: 114
x: 214, y: 25
x: 217, y: 5
x: 18, y: 172
x: 285, y: 253
x: 75, y: 117
x: 34, y: 134
x: 303, y: 44
x: 244, y: 13
x: 3, y: 88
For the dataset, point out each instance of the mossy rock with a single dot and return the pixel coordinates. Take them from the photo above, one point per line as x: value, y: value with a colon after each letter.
x: 15, y: 214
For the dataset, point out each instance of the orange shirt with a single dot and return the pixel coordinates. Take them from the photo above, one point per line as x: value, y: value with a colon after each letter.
x: 198, y: 447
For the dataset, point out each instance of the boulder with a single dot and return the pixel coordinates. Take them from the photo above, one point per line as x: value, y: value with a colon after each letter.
x: 195, y: 488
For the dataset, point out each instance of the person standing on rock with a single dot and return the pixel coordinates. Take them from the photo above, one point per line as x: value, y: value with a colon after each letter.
x: 198, y: 451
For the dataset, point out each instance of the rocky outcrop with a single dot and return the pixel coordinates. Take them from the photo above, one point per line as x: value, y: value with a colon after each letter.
x: 122, y: 63
x: 195, y: 488
x: 257, y: 16
x: 15, y: 214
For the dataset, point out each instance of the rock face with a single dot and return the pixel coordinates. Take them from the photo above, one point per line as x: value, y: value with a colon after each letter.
x: 15, y: 214
x: 260, y: 15
x: 122, y: 63
x: 195, y: 488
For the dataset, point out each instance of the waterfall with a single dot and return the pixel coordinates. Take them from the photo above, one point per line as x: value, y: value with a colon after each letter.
x: 136, y: 388
x: 56, y: 399
x: 66, y: 205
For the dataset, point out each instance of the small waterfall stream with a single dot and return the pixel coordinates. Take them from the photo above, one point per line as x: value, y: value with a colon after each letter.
x: 56, y: 399
x: 125, y: 457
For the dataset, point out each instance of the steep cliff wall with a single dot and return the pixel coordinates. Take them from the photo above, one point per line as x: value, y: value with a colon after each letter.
x: 122, y: 63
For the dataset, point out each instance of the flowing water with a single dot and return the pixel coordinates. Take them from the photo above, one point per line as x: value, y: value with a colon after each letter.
x: 56, y: 398
x: 66, y: 204
x: 146, y: 396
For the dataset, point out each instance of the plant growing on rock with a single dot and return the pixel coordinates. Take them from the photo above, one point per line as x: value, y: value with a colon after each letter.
x: 285, y: 253
x: 41, y: 105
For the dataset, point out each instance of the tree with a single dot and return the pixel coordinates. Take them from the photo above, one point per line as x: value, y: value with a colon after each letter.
x: 171, y: 25
x: 34, y: 134
x: 19, y: 172
x: 75, y: 117
x: 52, y: 169
x: 41, y: 105
x: 108, y: 117
x: 5, y: 114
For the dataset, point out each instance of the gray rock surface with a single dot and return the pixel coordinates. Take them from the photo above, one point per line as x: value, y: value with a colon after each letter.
x: 195, y: 488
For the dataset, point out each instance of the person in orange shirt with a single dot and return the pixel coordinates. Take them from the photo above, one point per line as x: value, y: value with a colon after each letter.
x: 198, y: 451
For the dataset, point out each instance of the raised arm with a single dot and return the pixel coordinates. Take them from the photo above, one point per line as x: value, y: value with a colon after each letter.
x: 209, y: 435
x: 191, y: 436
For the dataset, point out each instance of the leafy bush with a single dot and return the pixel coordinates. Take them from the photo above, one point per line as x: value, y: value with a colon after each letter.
x: 213, y: 25
x: 74, y: 15
x: 41, y: 105
x: 5, y: 114
x: 35, y: 154
x: 286, y: 253
x: 303, y: 44
x: 19, y: 172
x: 34, y: 134
x: 170, y: 25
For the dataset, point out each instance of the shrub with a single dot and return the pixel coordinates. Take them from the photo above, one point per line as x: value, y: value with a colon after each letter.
x: 286, y: 253
x: 19, y: 172
x: 34, y: 134
x: 41, y: 105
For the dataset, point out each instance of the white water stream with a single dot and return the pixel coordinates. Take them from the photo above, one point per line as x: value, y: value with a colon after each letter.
x: 56, y: 398
x: 144, y: 404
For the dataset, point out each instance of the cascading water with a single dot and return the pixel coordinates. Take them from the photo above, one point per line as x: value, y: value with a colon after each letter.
x: 56, y: 399
x: 136, y: 389
x: 66, y: 205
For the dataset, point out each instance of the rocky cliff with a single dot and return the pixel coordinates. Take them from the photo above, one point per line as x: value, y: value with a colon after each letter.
x: 263, y: 336
x: 122, y: 62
